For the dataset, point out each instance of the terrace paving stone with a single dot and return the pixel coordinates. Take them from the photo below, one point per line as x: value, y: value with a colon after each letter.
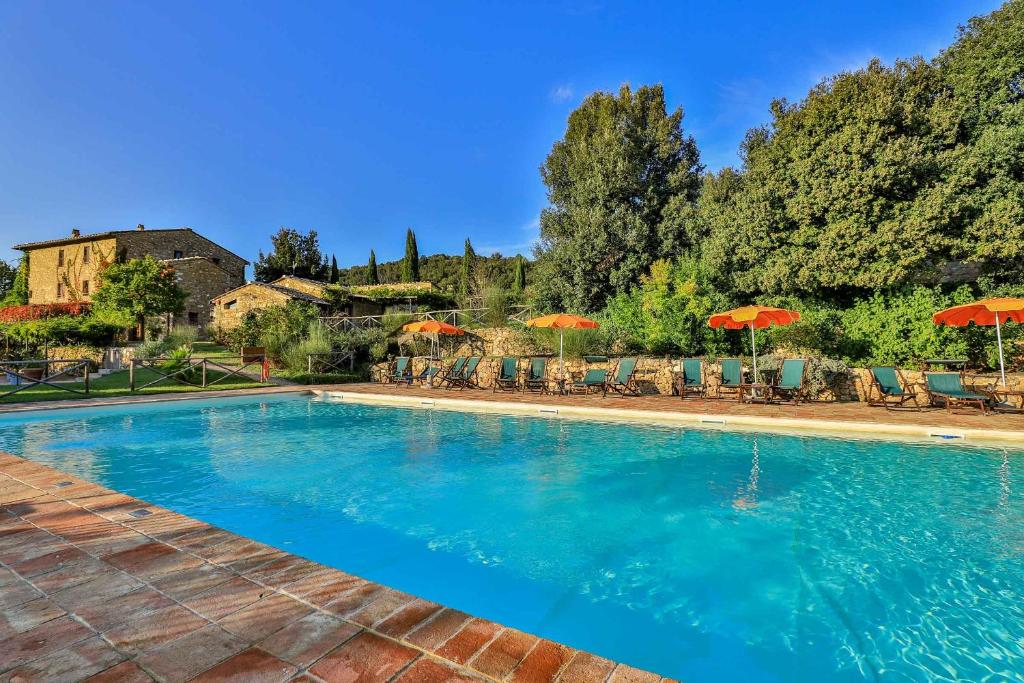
x: 469, y: 640
x: 365, y: 658
x: 187, y: 657
x: 155, y: 628
x: 432, y: 634
x: 264, y: 617
x: 386, y: 603
x: 354, y: 600
x: 504, y: 653
x: 104, y: 615
x: 543, y: 662
x: 125, y: 672
x: 42, y: 641
x: 425, y: 670
x: 251, y: 666
x: 283, y: 570
x: 184, y: 583
x: 407, y: 618
x: 586, y: 668
x: 72, y: 663
x: 627, y: 674
x: 99, y: 590
x: 28, y: 615
x: 227, y: 598
x: 304, y: 641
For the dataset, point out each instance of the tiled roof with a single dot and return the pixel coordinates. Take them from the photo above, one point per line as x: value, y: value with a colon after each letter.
x: 70, y: 239
x: 288, y: 291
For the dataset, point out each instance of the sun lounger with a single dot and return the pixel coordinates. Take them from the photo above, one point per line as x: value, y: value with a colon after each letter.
x: 790, y: 384
x: 402, y: 372
x: 947, y: 389
x: 692, y: 383
x: 624, y: 380
x: 889, y: 388
x: 732, y: 376
x: 453, y: 373
x: 507, y: 378
x: 536, y: 375
x: 595, y: 380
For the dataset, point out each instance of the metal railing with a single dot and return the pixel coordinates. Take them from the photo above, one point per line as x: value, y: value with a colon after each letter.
x: 17, y: 370
x: 192, y: 371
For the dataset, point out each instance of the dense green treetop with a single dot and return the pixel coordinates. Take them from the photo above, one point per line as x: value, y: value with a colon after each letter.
x: 292, y: 254
x: 138, y: 288
x: 467, y: 284
x: 622, y: 164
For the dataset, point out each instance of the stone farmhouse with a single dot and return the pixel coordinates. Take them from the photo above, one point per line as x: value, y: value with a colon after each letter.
x: 68, y: 269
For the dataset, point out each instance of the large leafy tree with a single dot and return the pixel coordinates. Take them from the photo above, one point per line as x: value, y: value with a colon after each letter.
x: 292, y: 254
x: 623, y: 162
x: 14, y: 283
x: 139, y: 288
x: 411, y: 262
x: 978, y: 118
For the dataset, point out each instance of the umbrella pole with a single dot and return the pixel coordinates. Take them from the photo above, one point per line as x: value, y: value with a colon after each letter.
x: 753, y: 347
x: 999, y: 340
x: 561, y: 354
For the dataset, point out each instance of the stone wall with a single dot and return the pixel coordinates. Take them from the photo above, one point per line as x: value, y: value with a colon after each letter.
x: 203, y: 280
x: 229, y: 310
x: 178, y: 243
x: 62, y: 273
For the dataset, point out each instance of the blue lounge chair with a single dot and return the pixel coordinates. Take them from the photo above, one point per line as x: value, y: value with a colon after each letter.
x: 732, y: 376
x: 453, y: 373
x: 889, y: 388
x: 402, y: 371
x: 595, y: 380
x: 790, y: 384
x: 947, y: 389
x: 508, y: 375
x: 536, y: 376
x: 692, y: 381
x: 624, y: 382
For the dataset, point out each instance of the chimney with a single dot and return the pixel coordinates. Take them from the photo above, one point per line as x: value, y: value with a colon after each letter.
x: 75, y: 232
x: 140, y: 226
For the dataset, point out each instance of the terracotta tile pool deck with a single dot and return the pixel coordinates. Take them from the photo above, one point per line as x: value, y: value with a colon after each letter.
x: 96, y: 585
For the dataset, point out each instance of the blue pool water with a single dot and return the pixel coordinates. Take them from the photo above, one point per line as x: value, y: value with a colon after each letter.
x: 705, y: 555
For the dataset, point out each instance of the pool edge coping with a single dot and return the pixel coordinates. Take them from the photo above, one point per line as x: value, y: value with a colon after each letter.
x: 722, y: 421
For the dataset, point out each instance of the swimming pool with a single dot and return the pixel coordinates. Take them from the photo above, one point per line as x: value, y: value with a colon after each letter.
x: 700, y: 554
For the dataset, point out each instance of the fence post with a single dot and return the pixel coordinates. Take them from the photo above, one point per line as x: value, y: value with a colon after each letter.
x: 309, y: 363
x: 204, y: 373
x: 131, y: 375
x: 87, y: 373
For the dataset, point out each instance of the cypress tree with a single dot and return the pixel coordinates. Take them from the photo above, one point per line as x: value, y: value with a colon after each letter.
x: 334, y: 270
x: 466, y: 276
x: 519, y: 277
x: 411, y: 262
x: 372, y: 276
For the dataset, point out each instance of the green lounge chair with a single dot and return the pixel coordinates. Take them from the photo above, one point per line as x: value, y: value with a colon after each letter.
x: 467, y: 378
x: 508, y: 375
x: 426, y: 376
x: 537, y: 376
x: 402, y: 371
x: 790, y: 384
x: 595, y: 380
x: 453, y: 373
x: 692, y: 382
x: 889, y: 388
x: 947, y: 389
x: 732, y: 376
x: 624, y: 382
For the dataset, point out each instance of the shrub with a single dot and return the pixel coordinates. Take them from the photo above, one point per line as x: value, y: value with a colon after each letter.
x: 12, y: 314
x: 822, y: 374
x: 295, y: 355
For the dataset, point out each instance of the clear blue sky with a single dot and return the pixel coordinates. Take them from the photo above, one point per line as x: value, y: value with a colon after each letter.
x: 237, y: 118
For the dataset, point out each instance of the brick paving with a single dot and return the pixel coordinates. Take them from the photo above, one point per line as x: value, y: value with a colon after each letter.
x: 845, y: 411
x: 89, y: 592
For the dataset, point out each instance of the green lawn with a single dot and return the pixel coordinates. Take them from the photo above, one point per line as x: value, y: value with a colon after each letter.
x: 116, y: 384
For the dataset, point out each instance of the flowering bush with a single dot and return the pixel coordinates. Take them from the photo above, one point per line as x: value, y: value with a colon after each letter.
x: 13, y: 314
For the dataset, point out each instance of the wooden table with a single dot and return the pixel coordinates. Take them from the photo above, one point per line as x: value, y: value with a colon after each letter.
x: 1007, y: 399
x: 755, y: 393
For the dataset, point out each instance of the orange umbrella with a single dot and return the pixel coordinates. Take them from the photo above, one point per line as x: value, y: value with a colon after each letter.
x: 562, y: 321
x: 433, y: 327
x: 754, y: 317
x: 985, y: 312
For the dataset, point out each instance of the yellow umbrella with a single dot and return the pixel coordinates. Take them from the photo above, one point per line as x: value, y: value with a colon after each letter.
x: 561, y: 322
x: 985, y: 312
x: 754, y: 317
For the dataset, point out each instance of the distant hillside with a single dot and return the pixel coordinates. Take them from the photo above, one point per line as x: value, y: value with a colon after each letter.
x: 443, y: 270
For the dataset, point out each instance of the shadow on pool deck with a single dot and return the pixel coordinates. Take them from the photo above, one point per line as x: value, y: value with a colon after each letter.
x: 96, y: 585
